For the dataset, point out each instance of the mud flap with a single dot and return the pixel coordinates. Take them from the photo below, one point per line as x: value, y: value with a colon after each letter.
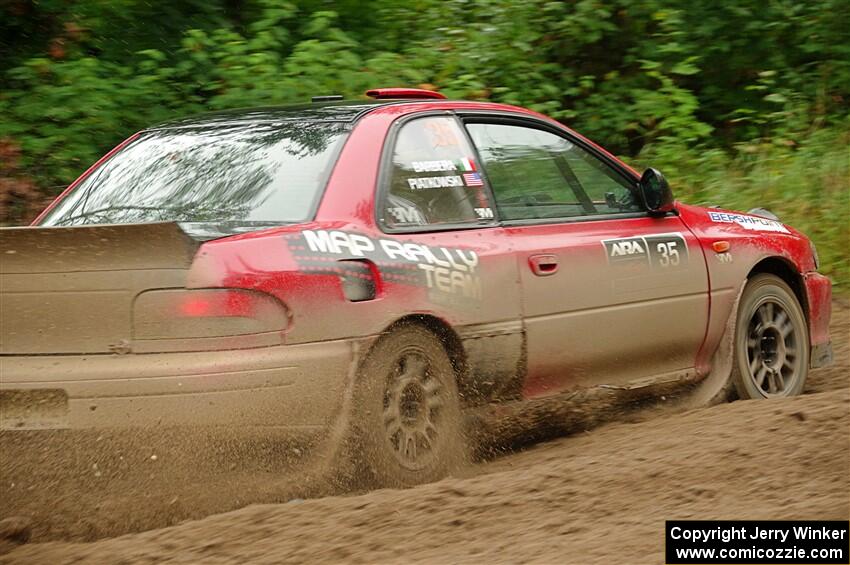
x: 716, y: 387
x: 334, y: 456
x: 822, y: 356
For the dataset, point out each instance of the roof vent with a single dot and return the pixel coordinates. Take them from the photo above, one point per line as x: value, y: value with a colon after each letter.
x: 328, y: 98
x: 403, y: 93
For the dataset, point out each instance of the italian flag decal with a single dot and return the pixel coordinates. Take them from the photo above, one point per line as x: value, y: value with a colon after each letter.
x: 465, y: 164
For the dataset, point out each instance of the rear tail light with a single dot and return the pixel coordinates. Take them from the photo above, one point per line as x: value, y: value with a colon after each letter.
x: 219, y: 304
x: 206, y: 319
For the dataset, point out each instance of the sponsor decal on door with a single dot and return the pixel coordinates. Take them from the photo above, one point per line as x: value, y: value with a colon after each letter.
x: 661, y: 251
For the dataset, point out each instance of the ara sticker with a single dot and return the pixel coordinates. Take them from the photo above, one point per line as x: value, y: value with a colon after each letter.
x: 748, y: 222
x: 662, y: 250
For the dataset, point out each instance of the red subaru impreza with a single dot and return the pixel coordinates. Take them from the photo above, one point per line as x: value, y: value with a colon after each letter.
x: 391, y: 264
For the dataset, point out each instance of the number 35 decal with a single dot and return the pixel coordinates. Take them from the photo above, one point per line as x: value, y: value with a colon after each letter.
x: 665, y: 251
x: 669, y: 253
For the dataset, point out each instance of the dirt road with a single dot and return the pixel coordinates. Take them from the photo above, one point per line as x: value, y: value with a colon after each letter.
x: 596, y: 497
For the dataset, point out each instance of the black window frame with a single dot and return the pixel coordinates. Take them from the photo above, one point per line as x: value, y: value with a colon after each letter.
x: 523, y: 120
x: 385, y: 176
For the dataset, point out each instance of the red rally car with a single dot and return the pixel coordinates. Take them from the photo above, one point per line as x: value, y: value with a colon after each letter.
x: 398, y: 261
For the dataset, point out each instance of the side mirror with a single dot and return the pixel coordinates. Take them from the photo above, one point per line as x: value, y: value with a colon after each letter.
x: 655, y: 192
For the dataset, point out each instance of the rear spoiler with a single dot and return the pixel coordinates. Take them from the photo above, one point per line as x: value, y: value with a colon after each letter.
x: 91, y: 248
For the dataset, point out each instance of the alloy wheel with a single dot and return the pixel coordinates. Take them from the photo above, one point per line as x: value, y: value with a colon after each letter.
x: 412, y: 409
x: 773, y: 348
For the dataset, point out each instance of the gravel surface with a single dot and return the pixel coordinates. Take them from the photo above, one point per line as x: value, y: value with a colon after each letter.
x: 594, y: 497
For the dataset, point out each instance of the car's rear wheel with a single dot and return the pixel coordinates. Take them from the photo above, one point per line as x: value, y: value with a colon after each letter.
x: 408, y: 416
x: 771, y: 341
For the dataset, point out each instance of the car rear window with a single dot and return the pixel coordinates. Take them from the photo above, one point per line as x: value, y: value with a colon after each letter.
x: 265, y: 173
x: 434, y: 179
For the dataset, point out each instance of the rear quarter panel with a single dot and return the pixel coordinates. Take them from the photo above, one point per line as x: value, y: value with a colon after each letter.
x: 476, y: 283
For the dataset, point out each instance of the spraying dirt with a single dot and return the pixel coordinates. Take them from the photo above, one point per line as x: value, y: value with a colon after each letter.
x: 599, y: 496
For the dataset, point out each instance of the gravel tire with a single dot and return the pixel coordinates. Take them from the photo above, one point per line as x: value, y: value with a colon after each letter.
x: 407, y: 410
x: 771, y: 341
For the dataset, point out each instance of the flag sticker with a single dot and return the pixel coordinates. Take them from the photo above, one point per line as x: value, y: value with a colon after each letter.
x: 473, y: 179
x: 466, y: 164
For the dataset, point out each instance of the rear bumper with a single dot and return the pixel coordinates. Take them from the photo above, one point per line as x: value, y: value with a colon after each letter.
x: 292, y: 386
x: 819, y: 302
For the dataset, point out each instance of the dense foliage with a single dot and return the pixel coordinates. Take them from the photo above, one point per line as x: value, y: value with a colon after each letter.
x: 741, y: 103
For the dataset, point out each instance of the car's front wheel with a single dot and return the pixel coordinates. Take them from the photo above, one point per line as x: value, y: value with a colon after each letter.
x: 771, y: 341
x: 408, y: 417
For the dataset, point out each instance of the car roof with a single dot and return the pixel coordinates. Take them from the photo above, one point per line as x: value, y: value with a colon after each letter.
x: 341, y: 111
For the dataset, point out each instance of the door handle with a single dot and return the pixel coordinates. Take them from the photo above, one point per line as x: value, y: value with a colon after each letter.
x: 543, y: 265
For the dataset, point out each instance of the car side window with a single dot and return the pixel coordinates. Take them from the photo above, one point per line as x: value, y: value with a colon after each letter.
x: 536, y: 174
x: 434, y: 178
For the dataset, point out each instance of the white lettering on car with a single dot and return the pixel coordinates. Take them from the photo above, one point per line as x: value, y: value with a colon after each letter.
x: 626, y: 247
x: 433, y: 166
x: 748, y: 222
x: 334, y: 241
x: 447, y: 270
x: 406, y: 215
x: 421, y: 183
x: 668, y: 252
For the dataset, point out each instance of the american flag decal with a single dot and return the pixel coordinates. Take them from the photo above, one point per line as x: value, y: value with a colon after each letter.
x: 473, y: 179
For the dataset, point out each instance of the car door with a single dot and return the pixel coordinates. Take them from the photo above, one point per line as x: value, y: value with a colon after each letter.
x: 610, y: 294
x: 440, y: 234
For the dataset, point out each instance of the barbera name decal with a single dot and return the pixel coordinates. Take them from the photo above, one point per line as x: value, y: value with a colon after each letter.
x: 748, y: 222
x: 465, y: 164
x: 444, y: 269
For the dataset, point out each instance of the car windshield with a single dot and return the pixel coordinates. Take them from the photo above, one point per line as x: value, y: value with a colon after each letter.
x: 250, y: 175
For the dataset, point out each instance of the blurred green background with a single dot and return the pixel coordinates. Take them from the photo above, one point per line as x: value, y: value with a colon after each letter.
x: 740, y: 103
